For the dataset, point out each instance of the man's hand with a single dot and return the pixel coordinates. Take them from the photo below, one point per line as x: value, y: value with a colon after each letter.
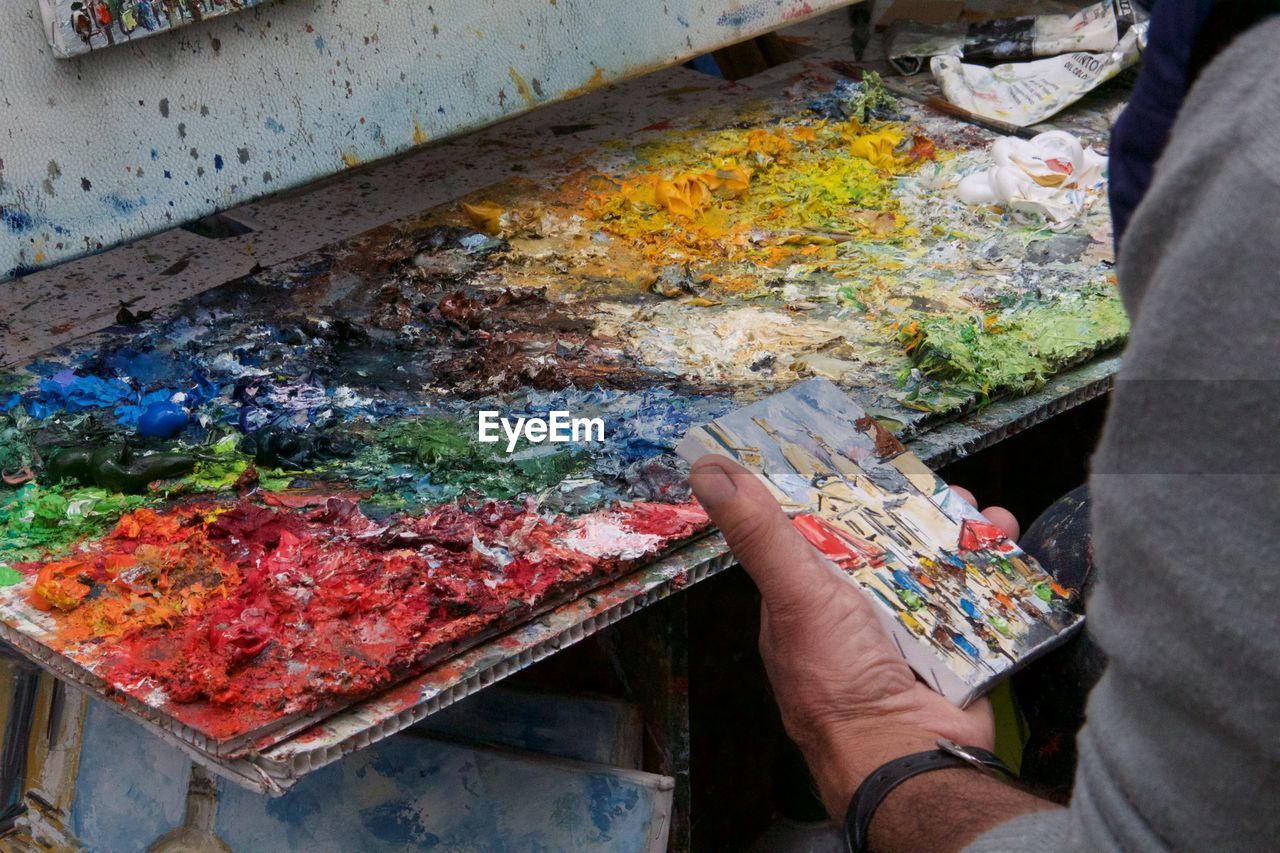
x: 847, y: 698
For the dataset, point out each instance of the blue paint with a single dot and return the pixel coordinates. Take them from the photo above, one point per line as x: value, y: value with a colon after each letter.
x: 16, y: 220
x: 162, y: 420
x: 274, y: 126
x: 741, y: 17
x: 609, y: 801
x: 392, y: 823
x: 965, y: 646
x: 682, y: 21
x: 155, y: 155
x: 68, y: 392
x: 320, y: 43
x: 125, y: 205
x: 129, y: 413
x: 217, y: 162
x: 906, y: 580
x: 144, y: 365
x: 168, y: 175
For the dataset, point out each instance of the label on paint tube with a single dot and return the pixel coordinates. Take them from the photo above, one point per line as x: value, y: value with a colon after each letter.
x: 1095, y: 28
x: 558, y: 427
x: 1024, y: 93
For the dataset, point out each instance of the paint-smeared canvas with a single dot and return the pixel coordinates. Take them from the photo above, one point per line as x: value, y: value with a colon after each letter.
x: 79, y: 26
x: 965, y: 603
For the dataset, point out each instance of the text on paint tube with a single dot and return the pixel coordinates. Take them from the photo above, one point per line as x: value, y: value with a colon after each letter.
x: 558, y: 427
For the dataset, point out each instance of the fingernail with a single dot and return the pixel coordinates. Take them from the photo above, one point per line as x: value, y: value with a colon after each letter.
x: 712, y: 484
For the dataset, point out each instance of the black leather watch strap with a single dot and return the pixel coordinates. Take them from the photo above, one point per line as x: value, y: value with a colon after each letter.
x: 873, y: 790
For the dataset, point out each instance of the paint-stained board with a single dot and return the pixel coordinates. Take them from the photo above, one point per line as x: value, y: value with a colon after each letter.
x: 116, y: 144
x: 406, y: 793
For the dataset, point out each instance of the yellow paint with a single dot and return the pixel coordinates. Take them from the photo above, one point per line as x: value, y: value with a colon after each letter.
x: 522, y: 88
x: 419, y: 135
x: 880, y: 148
x: 738, y: 209
x: 351, y: 159
x: 595, y: 81
x: 485, y: 215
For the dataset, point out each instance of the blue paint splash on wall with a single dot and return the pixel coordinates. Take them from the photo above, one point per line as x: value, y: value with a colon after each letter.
x: 217, y: 162
x: 274, y: 126
x: 743, y: 16
x: 126, y: 205
x: 16, y: 220
x: 320, y: 43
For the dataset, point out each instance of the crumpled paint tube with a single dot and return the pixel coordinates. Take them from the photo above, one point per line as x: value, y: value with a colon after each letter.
x: 1094, y: 29
x: 1024, y: 93
x: 1051, y: 175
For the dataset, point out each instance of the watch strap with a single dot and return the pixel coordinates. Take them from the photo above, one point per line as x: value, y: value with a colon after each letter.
x: 873, y: 790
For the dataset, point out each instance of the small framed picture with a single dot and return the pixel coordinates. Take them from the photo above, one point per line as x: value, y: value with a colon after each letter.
x: 76, y: 27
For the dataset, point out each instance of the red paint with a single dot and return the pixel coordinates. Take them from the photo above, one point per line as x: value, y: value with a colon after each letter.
x: 839, y: 546
x: 978, y: 535
x: 296, y: 606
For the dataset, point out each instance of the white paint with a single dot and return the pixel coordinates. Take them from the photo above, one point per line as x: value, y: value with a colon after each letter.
x: 603, y: 536
x: 1051, y: 175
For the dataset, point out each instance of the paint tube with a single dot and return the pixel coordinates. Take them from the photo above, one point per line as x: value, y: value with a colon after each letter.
x: 1023, y: 93
x: 1094, y: 29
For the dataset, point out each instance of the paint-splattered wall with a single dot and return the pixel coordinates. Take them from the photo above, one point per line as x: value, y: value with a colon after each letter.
x: 141, y: 137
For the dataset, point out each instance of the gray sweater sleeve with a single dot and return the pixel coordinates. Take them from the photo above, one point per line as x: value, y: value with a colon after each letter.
x: 1182, y: 745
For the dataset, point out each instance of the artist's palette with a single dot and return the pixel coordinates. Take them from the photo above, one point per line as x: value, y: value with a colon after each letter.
x: 268, y: 501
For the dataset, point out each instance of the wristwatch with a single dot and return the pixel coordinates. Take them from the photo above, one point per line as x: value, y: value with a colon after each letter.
x: 948, y: 756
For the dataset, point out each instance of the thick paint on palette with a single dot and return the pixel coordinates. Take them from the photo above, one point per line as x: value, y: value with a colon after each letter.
x: 320, y: 415
x: 966, y: 604
x: 233, y: 617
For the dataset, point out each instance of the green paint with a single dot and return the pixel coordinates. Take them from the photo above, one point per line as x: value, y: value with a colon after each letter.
x: 871, y: 96
x: 1010, y: 352
x: 221, y: 464
x: 9, y: 576
x: 39, y: 521
x: 446, y: 451
x: 15, y: 450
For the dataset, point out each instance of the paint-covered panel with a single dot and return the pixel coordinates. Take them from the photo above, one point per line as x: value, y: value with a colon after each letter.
x: 120, y: 143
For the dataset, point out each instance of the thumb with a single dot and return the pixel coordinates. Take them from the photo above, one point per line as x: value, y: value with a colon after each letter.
x: 786, y: 569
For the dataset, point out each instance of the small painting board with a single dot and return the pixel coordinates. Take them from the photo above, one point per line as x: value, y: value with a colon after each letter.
x: 76, y: 27
x: 964, y: 604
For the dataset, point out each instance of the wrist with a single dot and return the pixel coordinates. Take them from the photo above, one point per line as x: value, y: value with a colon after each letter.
x: 844, y: 754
